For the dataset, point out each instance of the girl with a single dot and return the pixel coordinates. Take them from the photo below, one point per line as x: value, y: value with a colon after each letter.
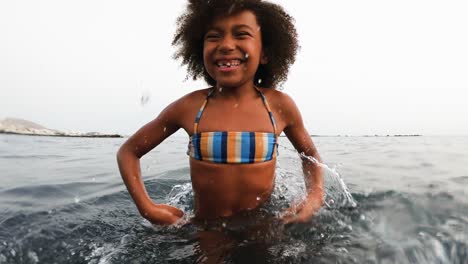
x: 243, y: 49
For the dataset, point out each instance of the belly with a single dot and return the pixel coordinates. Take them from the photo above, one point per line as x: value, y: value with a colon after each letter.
x: 225, y: 189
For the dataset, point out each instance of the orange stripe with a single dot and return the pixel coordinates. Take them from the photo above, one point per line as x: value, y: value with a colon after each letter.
x: 204, y: 146
x: 258, y: 147
x: 231, y: 147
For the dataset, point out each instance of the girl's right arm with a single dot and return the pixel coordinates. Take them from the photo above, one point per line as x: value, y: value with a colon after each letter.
x: 128, y: 159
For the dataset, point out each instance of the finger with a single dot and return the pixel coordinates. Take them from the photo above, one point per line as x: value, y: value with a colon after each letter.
x: 176, y: 211
x: 180, y: 213
x: 173, y: 210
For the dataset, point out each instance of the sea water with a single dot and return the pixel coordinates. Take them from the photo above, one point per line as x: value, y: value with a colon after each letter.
x: 388, y: 200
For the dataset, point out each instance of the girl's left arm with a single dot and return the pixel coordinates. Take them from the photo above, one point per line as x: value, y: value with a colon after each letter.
x: 313, y: 174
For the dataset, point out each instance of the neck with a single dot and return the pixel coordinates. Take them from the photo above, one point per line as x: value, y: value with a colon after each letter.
x: 246, y: 89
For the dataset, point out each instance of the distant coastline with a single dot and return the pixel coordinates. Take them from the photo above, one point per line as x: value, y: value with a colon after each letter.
x: 16, y: 126
x: 397, y: 135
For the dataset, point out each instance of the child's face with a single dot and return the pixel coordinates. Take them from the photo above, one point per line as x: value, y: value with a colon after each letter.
x: 232, y: 49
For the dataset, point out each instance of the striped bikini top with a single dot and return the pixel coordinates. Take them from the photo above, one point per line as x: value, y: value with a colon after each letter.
x: 233, y: 147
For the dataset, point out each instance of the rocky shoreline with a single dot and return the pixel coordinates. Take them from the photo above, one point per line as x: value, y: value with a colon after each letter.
x: 17, y: 126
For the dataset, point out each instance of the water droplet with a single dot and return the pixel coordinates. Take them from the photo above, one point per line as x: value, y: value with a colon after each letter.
x: 224, y: 224
x: 13, y: 252
x: 164, y: 129
x: 258, y: 198
x: 331, y: 202
x: 231, y: 8
x: 134, y: 178
x: 145, y: 98
x: 220, y: 89
x: 322, y: 235
x: 362, y: 217
x: 236, y: 105
x: 146, y: 214
x: 33, y: 256
x: 94, y: 179
x: 343, y: 250
x: 77, y: 199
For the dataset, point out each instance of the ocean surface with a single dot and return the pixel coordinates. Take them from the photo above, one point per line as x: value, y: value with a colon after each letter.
x: 389, y: 200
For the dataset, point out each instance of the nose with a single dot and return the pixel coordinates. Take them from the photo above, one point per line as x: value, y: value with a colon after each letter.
x: 227, y: 44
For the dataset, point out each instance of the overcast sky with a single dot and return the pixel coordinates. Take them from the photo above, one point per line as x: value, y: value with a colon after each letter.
x: 365, y: 67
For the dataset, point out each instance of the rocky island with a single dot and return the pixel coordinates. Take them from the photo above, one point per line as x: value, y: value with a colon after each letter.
x: 25, y: 127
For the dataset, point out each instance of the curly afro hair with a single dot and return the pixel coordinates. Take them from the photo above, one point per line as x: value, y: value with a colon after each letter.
x: 279, y: 37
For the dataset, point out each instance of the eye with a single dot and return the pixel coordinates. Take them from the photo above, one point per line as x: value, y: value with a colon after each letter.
x: 212, y: 36
x: 243, y: 33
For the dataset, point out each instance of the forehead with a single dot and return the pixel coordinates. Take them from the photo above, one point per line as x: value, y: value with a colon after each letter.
x: 244, y: 17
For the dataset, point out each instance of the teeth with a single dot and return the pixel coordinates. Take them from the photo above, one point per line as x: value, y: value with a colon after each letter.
x: 228, y: 63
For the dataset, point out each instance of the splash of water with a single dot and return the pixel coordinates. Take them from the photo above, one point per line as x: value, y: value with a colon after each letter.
x: 289, y: 188
x: 181, y: 196
x: 336, y: 190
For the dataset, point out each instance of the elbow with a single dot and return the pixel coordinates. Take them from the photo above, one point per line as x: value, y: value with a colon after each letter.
x: 124, y: 154
x: 120, y: 153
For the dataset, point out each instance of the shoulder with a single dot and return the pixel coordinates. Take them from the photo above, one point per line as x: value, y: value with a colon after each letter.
x: 279, y: 100
x: 184, y: 106
x: 189, y: 102
x: 193, y: 97
x: 283, y: 107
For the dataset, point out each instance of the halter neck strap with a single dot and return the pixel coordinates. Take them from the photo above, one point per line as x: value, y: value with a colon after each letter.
x: 264, y: 100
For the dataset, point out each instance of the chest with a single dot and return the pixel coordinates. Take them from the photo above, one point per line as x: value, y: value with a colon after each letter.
x: 235, y: 116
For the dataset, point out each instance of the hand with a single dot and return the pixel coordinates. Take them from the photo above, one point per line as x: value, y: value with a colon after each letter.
x: 303, y: 211
x: 162, y: 214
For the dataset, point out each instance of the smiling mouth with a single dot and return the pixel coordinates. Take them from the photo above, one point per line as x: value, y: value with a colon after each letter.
x: 226, y: 64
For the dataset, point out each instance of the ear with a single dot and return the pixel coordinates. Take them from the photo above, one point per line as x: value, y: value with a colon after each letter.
x: 263, y: 58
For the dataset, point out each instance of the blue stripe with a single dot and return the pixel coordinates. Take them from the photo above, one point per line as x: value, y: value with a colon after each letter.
x: 270, y: 146
x: 252, y: 147
x: 197, y: 119
x: 245, y: 147
x: 196, y: 146
x: 217, y: 147
x: 224, y: 147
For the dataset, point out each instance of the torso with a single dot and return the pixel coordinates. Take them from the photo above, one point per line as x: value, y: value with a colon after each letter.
x: 225, y: 189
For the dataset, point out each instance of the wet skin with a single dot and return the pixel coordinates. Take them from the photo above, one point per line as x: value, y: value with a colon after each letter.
x: 225, y: 189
